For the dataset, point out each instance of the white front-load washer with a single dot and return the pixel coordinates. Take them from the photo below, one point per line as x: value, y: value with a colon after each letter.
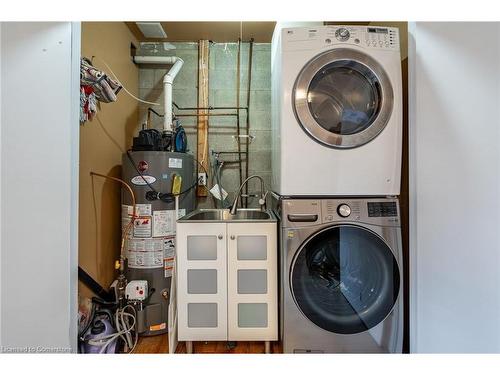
x: 337, y: 111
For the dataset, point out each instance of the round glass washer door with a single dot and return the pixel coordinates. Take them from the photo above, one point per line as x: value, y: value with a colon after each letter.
x: 343, y: 98
x: 345, y: 279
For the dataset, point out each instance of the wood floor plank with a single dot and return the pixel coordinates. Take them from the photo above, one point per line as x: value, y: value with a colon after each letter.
x: 159, y: 345
x: 152, y: 345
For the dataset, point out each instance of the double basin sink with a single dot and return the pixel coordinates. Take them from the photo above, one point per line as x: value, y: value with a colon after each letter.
x: 224, y: 215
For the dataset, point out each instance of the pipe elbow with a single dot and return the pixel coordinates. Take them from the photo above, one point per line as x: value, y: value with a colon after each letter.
x: 174, y: 70
x: 178, y: 59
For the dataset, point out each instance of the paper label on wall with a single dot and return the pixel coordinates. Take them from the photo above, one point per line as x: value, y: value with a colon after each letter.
x: 145, y: 253
x: 142, y: 227
x: 174, y: 163
x: 169, y: 255
x: 181, y: 213
x: 163, y: 223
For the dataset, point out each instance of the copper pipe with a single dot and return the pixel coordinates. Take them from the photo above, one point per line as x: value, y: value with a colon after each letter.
x: 210, y: 108
x: 238, y: 110
x: 204, y: 114
x: 250, y: 58
x: 131, y: 223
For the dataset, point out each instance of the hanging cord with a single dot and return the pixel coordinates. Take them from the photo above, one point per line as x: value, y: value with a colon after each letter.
x: 124, y: 88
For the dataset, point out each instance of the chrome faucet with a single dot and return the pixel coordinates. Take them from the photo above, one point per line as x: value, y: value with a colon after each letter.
x: 262, y: 199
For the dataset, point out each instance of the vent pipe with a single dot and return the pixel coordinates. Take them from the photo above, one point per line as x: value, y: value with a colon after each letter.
x: 168, y: 81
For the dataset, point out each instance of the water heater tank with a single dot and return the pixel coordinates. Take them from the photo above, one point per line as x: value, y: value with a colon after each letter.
x: 150, y: 246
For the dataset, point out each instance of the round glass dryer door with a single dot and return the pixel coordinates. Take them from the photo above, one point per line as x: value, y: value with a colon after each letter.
x: 343, y: 98
x: 345, y: 279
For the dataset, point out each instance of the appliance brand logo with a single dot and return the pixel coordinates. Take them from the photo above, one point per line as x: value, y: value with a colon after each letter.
x: 142, y: 166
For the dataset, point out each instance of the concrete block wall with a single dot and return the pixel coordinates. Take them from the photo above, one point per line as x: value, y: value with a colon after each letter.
x: 222, y: 92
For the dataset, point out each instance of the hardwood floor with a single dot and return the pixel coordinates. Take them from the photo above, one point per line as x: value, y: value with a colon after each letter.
x: 152, y: 345
x: 159, y: 345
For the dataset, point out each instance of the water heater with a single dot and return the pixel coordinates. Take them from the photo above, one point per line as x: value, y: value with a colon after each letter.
x: 150, y: 244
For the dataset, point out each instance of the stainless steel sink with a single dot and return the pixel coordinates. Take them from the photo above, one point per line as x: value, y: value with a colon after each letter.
x: 242, y: 214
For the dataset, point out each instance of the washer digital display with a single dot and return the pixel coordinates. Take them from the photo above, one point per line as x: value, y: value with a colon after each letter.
x: 382, y: 209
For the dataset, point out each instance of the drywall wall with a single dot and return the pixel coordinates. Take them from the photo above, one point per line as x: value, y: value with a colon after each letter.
x: 102, y: 142
x: 454, y: 187
x: 39, y: 160
x: 222, y: 93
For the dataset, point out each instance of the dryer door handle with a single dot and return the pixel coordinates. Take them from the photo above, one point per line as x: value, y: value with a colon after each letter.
x: 302, y: 218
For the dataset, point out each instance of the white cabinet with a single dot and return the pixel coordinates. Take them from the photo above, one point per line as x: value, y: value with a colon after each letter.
x: 227, y: 281
x: 252, y: 282
x: 201, y: 281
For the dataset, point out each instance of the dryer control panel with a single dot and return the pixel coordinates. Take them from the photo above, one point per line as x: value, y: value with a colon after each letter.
x: 372, y: 37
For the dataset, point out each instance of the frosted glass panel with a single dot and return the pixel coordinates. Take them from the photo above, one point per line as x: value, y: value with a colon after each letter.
x: 252, y: 315
x: 202, y: 315
x: 252, y: 247
x: 202, y: 247
x: 202, y: 281
x: 252, y: 281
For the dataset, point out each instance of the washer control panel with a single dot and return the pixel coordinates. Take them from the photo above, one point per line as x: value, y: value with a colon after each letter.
x: 303, y: 212
x: 377, y: 211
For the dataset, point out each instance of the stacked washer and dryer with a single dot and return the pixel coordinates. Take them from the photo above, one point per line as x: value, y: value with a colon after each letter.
x: 337, y: 137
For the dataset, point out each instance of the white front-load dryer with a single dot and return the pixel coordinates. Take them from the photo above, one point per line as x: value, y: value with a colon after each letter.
x: 337, y: 111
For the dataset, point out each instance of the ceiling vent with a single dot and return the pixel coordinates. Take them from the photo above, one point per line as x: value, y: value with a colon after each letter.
x: 151, y: 29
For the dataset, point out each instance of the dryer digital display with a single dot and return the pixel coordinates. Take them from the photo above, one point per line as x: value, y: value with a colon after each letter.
x: 377, y: 30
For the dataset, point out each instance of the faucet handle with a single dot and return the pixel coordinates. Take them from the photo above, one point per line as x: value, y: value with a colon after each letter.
x: 262, y: 200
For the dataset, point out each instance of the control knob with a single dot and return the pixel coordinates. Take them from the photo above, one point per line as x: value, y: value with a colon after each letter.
x: 342, y: 34
x: 344, y: 210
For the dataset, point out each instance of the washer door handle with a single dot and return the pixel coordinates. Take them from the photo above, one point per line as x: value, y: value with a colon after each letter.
x: 309, y: 218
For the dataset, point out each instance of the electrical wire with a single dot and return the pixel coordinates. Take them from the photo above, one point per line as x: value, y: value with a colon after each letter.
x: 124, y: 88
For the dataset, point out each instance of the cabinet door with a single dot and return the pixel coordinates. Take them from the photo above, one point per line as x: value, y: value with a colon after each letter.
x: 252, y: 282
x: 201, y: 281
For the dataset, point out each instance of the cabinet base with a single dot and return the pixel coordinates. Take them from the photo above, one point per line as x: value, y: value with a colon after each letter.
x: 230, y: 345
